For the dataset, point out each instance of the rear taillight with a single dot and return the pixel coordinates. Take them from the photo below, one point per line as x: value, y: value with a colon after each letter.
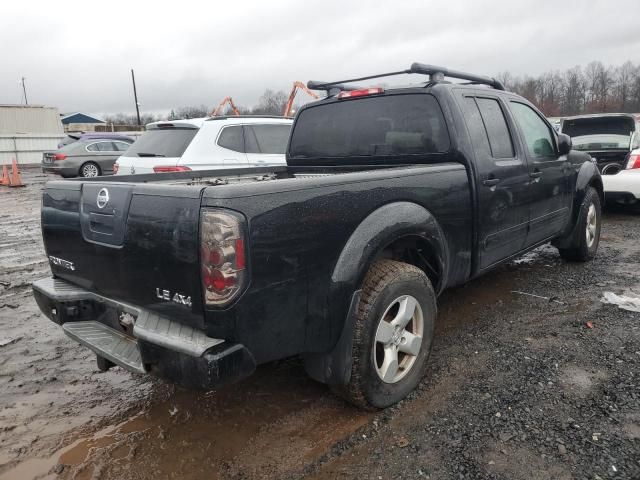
x: 223, y: 256
x: 361, y: 93
x: 115, y: 168
x: 59, y: 156
x: 634, y: 161
x: 168, y: 168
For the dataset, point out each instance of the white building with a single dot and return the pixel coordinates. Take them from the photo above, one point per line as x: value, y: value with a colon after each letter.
x: 26, y: 131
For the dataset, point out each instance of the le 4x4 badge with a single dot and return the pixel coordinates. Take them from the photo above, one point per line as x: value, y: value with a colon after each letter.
x: 176, y: 298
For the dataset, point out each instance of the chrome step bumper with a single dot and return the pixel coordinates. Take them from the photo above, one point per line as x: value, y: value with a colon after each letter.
x: 52, y: 294
x: 108, y: 343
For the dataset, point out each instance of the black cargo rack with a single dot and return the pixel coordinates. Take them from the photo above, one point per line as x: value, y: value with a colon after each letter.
x: 436, y: 74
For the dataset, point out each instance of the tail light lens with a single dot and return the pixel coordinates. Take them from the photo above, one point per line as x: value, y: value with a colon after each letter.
x: 361, y: 93
x: 59, y: 156
x: 169, y: 168
x: 115, y: 168
x: 634, y: 161
x: 223, y: 256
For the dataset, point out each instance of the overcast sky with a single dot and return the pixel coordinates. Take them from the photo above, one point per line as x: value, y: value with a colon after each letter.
x: 77, y: 56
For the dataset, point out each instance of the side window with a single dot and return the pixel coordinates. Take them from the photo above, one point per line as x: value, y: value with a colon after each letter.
x: 120, y: 146
x: 250, y: 140
x: 232, y: 138
x: 496, y: 126
x: 536, y: 133
x: 101, y: 147
x: 269, y: 138
x: 476, y: 128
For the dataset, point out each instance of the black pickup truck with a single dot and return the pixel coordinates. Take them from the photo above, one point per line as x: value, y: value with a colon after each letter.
x: 389, y: 197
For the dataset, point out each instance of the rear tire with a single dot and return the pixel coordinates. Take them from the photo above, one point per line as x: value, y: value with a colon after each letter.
x: 587, y: 237
x: 89, y: 170
x: 393, y: 331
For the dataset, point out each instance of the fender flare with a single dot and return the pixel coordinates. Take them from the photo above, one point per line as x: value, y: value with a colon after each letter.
x: 382, y: 227
x: 588, y: 176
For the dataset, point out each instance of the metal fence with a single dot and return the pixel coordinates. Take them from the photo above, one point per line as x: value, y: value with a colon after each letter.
x: 26, y: 148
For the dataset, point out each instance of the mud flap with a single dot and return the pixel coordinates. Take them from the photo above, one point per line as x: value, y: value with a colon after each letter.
x: 334, y: 367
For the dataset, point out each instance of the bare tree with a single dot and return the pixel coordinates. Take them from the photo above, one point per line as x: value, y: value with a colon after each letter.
x: 271, y: 103
x: 191, y: 112
x: 574, y: 91
x: 624, y: 77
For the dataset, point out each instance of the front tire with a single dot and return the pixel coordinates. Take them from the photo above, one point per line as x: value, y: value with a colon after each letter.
x: 89, y: 170
x: 587, y: 237
x: 393, y: 331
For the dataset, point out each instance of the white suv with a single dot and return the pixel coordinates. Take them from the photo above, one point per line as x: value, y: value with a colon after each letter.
x: 207, y: 143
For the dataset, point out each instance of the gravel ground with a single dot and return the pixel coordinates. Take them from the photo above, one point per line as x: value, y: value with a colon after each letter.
x: 518, y: 387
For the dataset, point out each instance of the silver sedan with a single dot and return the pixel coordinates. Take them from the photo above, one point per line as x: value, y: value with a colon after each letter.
x: 90, y: 158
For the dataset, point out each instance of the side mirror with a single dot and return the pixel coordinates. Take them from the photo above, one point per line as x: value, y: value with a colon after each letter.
x: 564, y: 144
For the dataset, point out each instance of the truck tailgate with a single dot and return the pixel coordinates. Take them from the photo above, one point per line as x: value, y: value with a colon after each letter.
x: 130, y: 242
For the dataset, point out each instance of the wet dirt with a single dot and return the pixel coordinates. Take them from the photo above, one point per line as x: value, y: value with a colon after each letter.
x: 528, y: 359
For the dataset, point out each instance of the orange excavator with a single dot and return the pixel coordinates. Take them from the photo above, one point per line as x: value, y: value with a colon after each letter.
x: 220, y: 108
x: 296, y: 86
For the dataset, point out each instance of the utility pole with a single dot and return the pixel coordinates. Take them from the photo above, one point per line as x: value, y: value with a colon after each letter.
x: 135, y: 96
x: 24, y: 89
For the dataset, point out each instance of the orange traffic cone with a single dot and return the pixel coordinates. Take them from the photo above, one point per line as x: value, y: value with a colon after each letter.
x: 5, y: 176
x: 15, y: 179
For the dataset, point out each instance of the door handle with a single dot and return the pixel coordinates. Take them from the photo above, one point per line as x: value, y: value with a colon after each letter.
x: 491, y: 182
x: 536, y: 174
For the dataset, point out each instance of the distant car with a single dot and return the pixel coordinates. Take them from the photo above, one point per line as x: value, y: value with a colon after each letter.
x: 624, y: 186
x: 86, y: 157
x: 613, y: 141
x: 607, y: 137
x: 206, y: 143
x: 555, y: 123
x: 74, y: 137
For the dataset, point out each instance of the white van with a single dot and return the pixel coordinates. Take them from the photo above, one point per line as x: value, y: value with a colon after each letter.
x: 207, y: 143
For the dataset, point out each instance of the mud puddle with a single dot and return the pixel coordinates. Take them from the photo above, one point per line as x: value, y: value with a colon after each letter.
x: 276, y: 422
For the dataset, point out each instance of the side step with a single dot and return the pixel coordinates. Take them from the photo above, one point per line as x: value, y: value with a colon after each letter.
x: 108, y: 343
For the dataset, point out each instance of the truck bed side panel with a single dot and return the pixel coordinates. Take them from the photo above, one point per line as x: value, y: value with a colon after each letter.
x: 297, y: 235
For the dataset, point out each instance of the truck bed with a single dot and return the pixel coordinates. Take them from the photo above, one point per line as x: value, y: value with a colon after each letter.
x: 147, y: 239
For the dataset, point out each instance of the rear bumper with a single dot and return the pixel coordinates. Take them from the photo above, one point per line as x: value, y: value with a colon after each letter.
x: 142, y: 341
x: 623, y: 187
x: 65, y: 171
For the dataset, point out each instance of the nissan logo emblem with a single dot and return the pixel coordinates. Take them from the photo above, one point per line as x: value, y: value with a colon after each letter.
x: 103, y: 198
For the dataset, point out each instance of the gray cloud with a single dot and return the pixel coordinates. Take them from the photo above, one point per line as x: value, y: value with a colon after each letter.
x: 78, y: 57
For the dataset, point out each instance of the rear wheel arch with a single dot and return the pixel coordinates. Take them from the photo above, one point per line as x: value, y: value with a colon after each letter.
x: 400, y: 231
x: 390, y: 232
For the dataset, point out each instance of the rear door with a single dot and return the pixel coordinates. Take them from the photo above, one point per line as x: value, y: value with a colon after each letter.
x: 549, y: 172
x: 503, y: 180
x: 230, y: 150
x: 104, y: 153
x: 266, y: 144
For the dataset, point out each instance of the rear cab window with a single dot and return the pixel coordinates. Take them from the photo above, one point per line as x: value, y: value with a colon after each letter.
x: 162, y: 142
x: 382, y: 126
